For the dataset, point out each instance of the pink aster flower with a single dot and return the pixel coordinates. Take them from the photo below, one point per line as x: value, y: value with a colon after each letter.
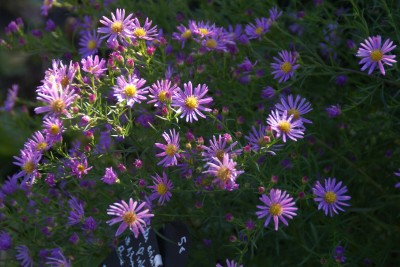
x: 131, y: 215
x: 330, y: 196
x: 284, y: 67
x: 90, y: 43
x: 373, y: 54
x: 278, y: 206
x: 58, y: 99
x: 145, y: 32
x: 161, y: 93
x: 161, y: 189
x: 225, y: 172
x: 258, y: 30
x: 218, y: 148
x: 94, y: 65
x: 170, y: 150
x: 284, y: 125
x: 130, y: 90
x: 191, y: 103
x: 296, y: 107
x: 119, y: 26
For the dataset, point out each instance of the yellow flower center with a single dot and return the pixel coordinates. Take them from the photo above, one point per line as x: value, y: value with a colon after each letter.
x: 330, y: 197
x: 54, y: 129
x: 259, y: 30
x: 203, y: 31
x: 129, y: 217
x: 64, y: 81
x: 117, y: 27
x: 223, y: 173
x: 284, y: 126
x: 57, y: 105
x: 191, y: 102
x: 286, y: 67
x: 275, y: 209
x: 161, y: 189
x: 220, y: 154
x: 139, y: 32
x: 376, y: 55
x: 81, y: 168
x: 91, y: 44
x: 130, y: 90
x: 211, y: 43
x: 187, y: 34
x: 29, y: 167
x: 162, y: 96
x: 170, y: 149
x: 41, y: 146
x: 294, y: 112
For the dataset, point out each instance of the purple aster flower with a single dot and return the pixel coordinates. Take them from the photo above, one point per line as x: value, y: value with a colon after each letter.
x: 170, y: 150
x: 24, y: 256
x: 330, y: 196
x: 79, y: 166
x: 119, y: 26
x: 274, y: 14
x: 161, y: 189
x: 28, y: 161
x: 333, y: 111
x: 130, y: 90
x: 10, y: 185
x: 397, y: 174
x: 259, y: 139
x: 341, y: 80
x: 90, y: 43
x: 182, y: 35
x: 218, y: 148
x: 39, y: 142
x: 218, y: 41
x: 89, y: 225
x: 59, y: 73
x: 268, y: 92
x: 110, y: 177
x: 297, y: 107
x: 9, y: 103
x: 285, y: 126
x: 57, y: 98
x: 74, y: 238
x: 94, y: 65
x: 284, y: 67
x: 5, y: 241
x: 57, y: 259
x: 260, y: 28
x: 131, y: 215
x: 50, y: 25
x: 77, y: 213
x: 279, y: 206
x: 53, y: 128
x: 373, y: 54
x: 191, y: 103
x: 201, y: 29
x: 229, y: 263
x: 225, y: 172
x: 145, y: 32
x: 47, y: 5
x: 161, y: 93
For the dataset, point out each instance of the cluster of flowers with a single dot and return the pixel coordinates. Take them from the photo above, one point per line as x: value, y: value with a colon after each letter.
x: 65, y: 90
